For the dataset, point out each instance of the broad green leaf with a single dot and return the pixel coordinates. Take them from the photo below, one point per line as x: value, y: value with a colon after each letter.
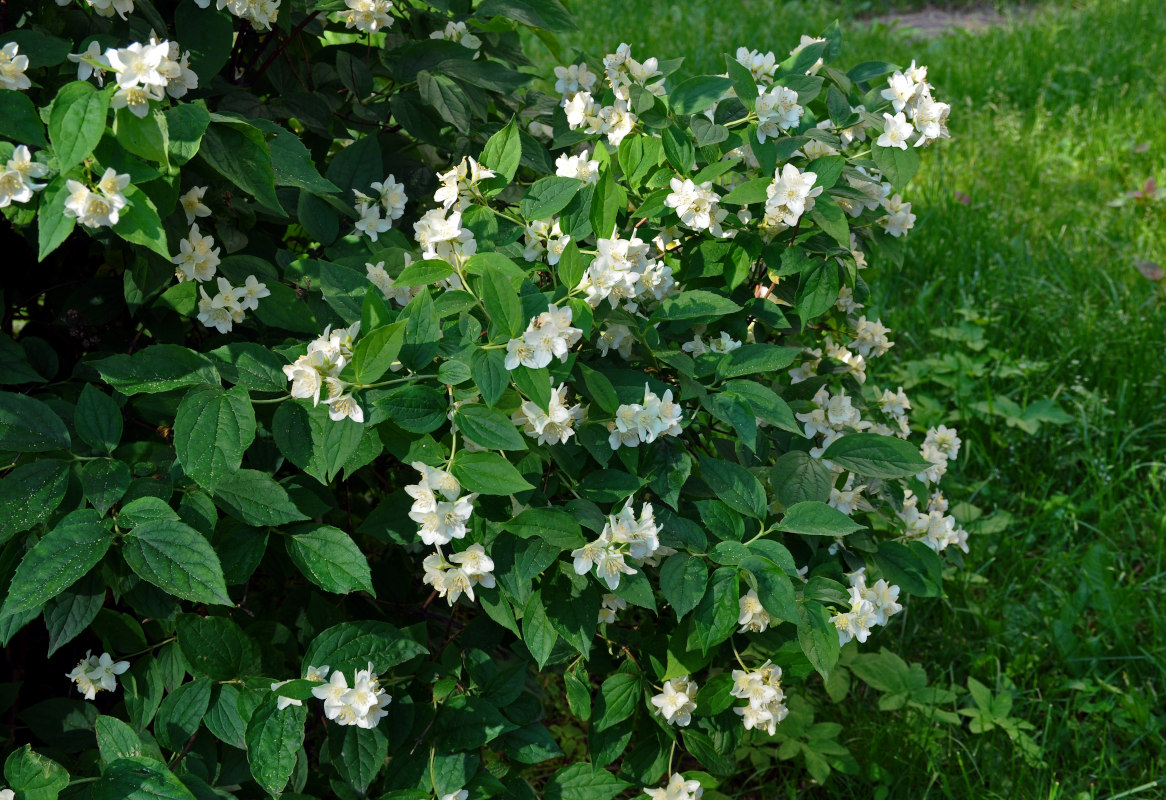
x: 538, y: 634
x: 417, y: 409
x: 147, y: 137
x: 145, y: 509
x: 33, y: 776
x: 530, y: 744
x: 694, y: 305
x: 583, y: 782
x: 212, y: 430
x: 683, y: 579
x: 177, y: 559
x: 548, y: 196
x: 876, y: 456
x: 238, y: 152
x: 797, y: 477
x: 77, y: 122
x: 914, y: 567
x: 548, y: 15
x: 29, y: 426
x: 72, y: 611
x: 97, y: 419
x: 30, y: 493
x: 186, y: 123
x: 139, y: 779
x: 447, y: 97
x: 376, y: 352
x: 19, y: 121
x: 217, y: 647
x: 814, y: 518
x: 818, y: 637
x: 57, y: 561
x: 255, y: 367
x: 756, y: 360
x: 488, y: 368
x: 897, y: 165
x: 502, y: 153
x: 574, y: 614
x: 292, y: 162
x: 255, y: 498
x: 350, y: 646
x: 157, y: 368
x: 422, y: 331
x: 696, y: 94
x: 502, y: 305
x: 181, y: 713
x: 609, y: 485
x: 423, y: 273
x: 314, y: 442
x: 817, y: 290
x: 53, y: 225
x: 488, y: 428
x: 774, y: 589
x: 488, y: 473
x: 105, y: 481
x: 274, y: 738
x: 830, y: 217
x: 715, y: 617
x: 329, y: 558
x: 679, y: 151
x: 358, y: 754
x: 753, y: 191
x: 139, y: 222
x: 116, y: 740
x: 551, y: 525
x: 619, y: 696
x: 734, y: 485
x: 743, y: 82
x: 231, y: 707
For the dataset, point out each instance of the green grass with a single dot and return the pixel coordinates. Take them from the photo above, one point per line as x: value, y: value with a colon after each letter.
x: 1054, y: 115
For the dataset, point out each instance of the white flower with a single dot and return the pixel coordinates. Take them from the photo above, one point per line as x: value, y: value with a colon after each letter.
x: 753, y: 617
x: 139, y: 64
x: 91, y: 62
x: 378, y: 277
x: 777, y: 110
x: 197, y: 257
x: 12, y: 68
x: 251, y: 292
x: 97, y: 673
x: 555, y: 425
x: 136, y: 98
x: 282, y: 702
x: 696, y: 206
x: 370, y: 222
x: 368, y: 16
x: 458, y: 32
x: 192, y: 204
x: 676, y: 704
x: 870, y: 337
x: 460, y: 794
x: 761, y: 65
x: 896, y: 131
x: 580, y: 166
x: 342, y: 404
x: 392, y: 197
x: 677, y: 789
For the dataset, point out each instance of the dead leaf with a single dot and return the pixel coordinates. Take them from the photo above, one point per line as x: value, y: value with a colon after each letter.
x: 1151, y: 270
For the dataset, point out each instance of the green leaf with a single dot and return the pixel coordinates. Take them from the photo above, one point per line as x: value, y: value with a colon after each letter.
x: 547, y: 15
x: 830, y: 217
x: 97, y: 419
x: 814, y: 518
x: 216, y: 647
x: 350, y: 646
x: 538, y: 634
x: 583, y: 782
x: 915, y: 567
x: 695, y: 304
x: 818, y: 637
x: 19, y: 121
x: 116, y: 740
x: 53, y: 225
x: 255, y: 498
x: 797, y: 477
x: 329, y: 558
x: 30, y: 493
x: 488, y: 368
x: 619, y: 697
x: 551, y: 525
x: 876, y: 456
x: 376, y: 352
x: 734, y: 485
x: 57, y: 561
x: 754, y: 191
x: 898, y: 166
x: 181, y: 713
x: 73, y: 610
x: 274, y: 738
x: 362, y: 754
x: 756, y: 360
x: 502, y: 305
x: 488, y: 428
x: 186, y: 124
x: 571, y: 266
x: 33, y: 776
x: 573, y: 614
x: 445, y: 96
x: 422, y: 331
x: 417, y: 409
x: 139, y: 779
x: 157, y: 368
x: 147, y: 137
x: 314, y: 442
x: 177, y: 559
x: 212, y: 430
x: 774, y: 589
x: 239, y: 153
x: 423, y: 273
x: 548, y: 196
x: 139, y: 222
x: 696, y: 94
x: 29, y: 426
x: 488, y: 473
x: 77, y: 122
x: 715, y: 617
x: 609, y: 485
x: 292, y: 162
x: 255, y: 367
x: 105, y: 481
x: 683, y: 580
x: 817, y: 290
x: 503, y: 153
x: 530, y: 744
x: 231, y: 708
x: 743, y: 81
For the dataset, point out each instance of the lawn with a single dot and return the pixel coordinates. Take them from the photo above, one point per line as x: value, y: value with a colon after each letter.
x: 1021, y: 317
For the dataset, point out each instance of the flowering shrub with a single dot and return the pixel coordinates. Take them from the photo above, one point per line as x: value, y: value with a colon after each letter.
x: 370, y: 378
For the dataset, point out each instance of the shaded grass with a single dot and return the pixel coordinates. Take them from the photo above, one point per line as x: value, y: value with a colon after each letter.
x: 1053, y: 116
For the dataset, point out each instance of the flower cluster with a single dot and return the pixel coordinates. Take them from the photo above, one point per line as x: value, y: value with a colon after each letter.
x: 97, y: 673
x: 696, y: 206
x: 777, y: 110
x: 197, y: 257
x: 614, y: 121
x: 320, y: 367
x: 790, y: 196
x: 762, y: 688
x: 441, y: 520
x: 579, y: 166
x: 458, y: 32
x: 555, y: 425
x: 100, y: 208
x: 833, y: 416
x: 192, y: 204
x: 677, y: 789
x: 941, y: 445
x: 623, y: 537
x: 611, y: 604
x: 378, y: 277
x: 459, y: 185
x: 367, y: 16
x: 637, y: 423
x: 12, y: 68
x: 677, y: 701
x: 390, y: 200
x: 543, y: 237
x: 457, y: 576
x: 260, y: 13
x: 934, y: 526
x: 910, y: 93
x: 721, y: 345
x: 547, y: 335
x: 444, y: 238
x: 870, y: 338
x: 753, y: 616
x: 143, y: 72
x: 869, y: 606
x: 623, y: 271
x: 16, y: 184
x: 898, y: 219
x: 363, y: 705
x: 227, y: 307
